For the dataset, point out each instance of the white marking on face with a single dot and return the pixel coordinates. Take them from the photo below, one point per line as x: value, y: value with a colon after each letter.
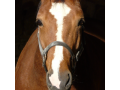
x: 59, y: 10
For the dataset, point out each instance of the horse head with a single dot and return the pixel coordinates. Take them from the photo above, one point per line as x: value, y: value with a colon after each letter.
x: 59, y: 36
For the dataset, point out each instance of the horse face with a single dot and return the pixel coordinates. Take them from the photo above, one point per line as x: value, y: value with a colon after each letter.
x: 59, y: 20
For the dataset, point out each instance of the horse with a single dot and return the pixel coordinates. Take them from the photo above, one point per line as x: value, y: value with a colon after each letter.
x: 48, y: 60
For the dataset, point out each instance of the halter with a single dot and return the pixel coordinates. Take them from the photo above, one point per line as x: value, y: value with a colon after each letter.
x: 74, y: 58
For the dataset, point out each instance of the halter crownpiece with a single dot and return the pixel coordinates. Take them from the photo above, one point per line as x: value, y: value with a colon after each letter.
x: 58, y: 43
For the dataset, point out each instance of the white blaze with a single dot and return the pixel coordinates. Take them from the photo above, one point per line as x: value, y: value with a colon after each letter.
x: 59, y: 10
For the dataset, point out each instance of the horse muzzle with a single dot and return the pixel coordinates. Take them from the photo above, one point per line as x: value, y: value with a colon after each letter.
x: 65, y: 81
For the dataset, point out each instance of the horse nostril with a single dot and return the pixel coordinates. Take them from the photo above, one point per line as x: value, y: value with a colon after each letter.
x: 69, y: 81
x: 48, y: 81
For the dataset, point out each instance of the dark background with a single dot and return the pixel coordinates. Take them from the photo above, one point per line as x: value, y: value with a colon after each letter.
x: 92, y: 66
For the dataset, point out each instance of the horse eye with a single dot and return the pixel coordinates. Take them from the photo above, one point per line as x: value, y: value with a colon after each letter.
x: 39, y: 23
x: 81, y: 22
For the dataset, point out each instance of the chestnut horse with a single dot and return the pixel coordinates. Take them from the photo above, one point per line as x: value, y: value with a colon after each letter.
x: 56, y: 45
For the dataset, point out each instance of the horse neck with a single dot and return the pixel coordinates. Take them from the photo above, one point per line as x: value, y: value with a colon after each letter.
x: 30, y: 62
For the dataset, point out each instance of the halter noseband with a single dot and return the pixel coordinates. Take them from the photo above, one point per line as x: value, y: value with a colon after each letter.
x: 58, y: 43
